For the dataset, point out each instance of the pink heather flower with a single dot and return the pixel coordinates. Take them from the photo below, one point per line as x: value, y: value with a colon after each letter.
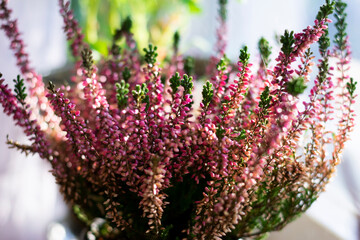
x: 71, y: 28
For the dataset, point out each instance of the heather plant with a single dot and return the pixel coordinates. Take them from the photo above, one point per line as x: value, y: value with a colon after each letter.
x: 136, y: 159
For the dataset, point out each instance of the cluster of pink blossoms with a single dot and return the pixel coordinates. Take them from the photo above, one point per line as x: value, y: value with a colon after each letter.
x: 127, y: 144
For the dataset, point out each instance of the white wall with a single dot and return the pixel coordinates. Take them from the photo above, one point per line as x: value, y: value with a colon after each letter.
x: 29, y: 198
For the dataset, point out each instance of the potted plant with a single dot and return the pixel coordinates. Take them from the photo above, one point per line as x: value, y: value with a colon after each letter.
x: 136, y: 159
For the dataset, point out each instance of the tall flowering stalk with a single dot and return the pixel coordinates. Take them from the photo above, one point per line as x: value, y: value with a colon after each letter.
x: 127, y: 144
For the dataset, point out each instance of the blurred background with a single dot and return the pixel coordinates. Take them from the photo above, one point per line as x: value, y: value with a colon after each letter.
x: 30, y: 205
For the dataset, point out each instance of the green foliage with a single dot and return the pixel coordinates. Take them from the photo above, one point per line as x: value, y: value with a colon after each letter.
x: 323, y: 70
x: 287, y: 40
x: 19, y: 89
x: 176, y: 41
x: 126, y: 74
x: 175, y: 82
x: 324, y: 41
x: 242, y: 135
x: 271, y: 211
x: 187, y: 84
x: 163, y: 79
x: 244, y: 56
x: 265, y: 50
x: 192, y: 5
x: 87, y: 60
x: 178, y: 213
x: 125, y: 28
x: 351, y: 87
x: 325, y: 10
x: 99, y: 19
x: 265, y: 99
x: 340, y: 15
x: 140, y: 95
x: 220, y: 132
x: 150, y: 54
x: 115, y: 49
x: 223, y: 64
x: 262, y: 237
x: 122, y: 90
x: 189, y: 65
x: 222, y: 10
x: 126, y: 25
x: 207, y: 93
x: 80, y: 214
x: 296, y: 86
x: 51, y: 87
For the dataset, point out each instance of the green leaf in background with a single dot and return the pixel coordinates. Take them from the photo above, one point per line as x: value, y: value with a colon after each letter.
x: 193, y: 5
x: 153, y: 20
